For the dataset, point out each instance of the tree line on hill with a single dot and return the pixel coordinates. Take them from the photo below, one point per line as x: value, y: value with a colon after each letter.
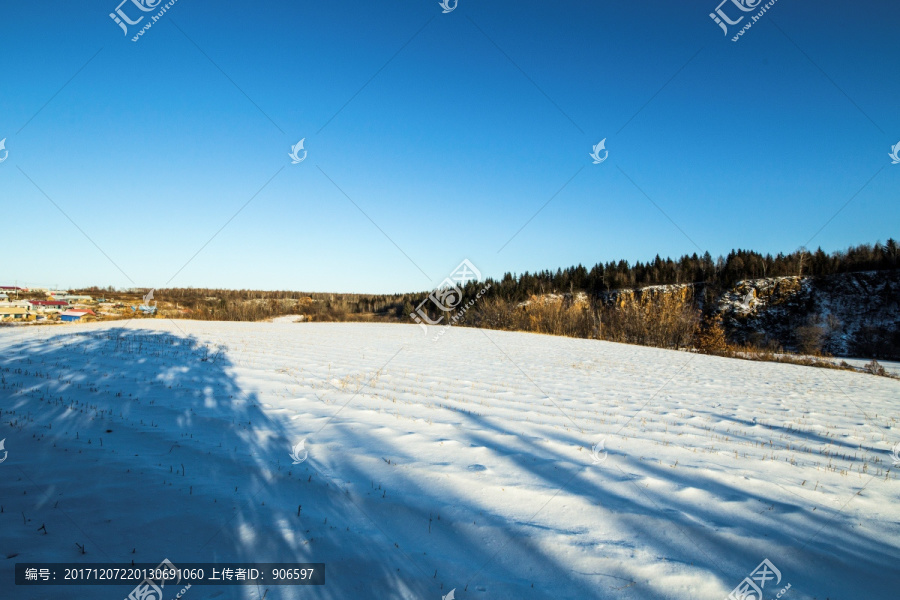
x: 717, y: 274
x: 514, y: 301
x: 601, y: 303
x: 720, y: 273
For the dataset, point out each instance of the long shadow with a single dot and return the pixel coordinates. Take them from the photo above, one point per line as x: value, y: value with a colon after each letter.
x: 733, y: 540
x: 140, y: 445
x: 799, y: 434
x: 192, y: 468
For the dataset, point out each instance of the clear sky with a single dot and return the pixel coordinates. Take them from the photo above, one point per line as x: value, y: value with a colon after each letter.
x: 434, y: 137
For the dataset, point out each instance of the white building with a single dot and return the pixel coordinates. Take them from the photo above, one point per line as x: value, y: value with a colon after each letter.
x: 18, y: 304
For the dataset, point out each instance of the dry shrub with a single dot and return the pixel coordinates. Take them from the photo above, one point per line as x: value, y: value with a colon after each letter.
x: 664, y: 320
x: 711, y: 337
x: 561, y: 317
x: 875, y: 368
x: 810, y: 337
x: 495, y: 313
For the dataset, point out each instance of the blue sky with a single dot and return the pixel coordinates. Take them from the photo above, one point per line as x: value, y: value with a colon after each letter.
x: 447, y: 132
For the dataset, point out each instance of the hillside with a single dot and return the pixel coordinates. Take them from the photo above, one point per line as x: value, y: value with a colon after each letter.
x: 498, y: 465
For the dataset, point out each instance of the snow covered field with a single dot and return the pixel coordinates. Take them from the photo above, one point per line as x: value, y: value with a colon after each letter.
x: 464, y: 464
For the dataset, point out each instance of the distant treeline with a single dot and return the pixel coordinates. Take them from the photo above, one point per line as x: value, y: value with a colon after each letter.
x: 719, y: 273
x: 210, y: 304
x: 716, y: 274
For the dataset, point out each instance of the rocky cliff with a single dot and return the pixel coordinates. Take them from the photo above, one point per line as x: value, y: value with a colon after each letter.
x: 850, y: 314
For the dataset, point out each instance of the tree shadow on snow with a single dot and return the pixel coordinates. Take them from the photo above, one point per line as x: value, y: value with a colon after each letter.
x: 194, y: 468
x: 140, y: 445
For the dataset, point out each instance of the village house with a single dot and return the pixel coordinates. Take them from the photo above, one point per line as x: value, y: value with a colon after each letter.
x: 17, y: 304
x: 72, y: 299
x: 11, y: 290
x: 75, y: 315
x: 12, y: 313
x: 48, y: 305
